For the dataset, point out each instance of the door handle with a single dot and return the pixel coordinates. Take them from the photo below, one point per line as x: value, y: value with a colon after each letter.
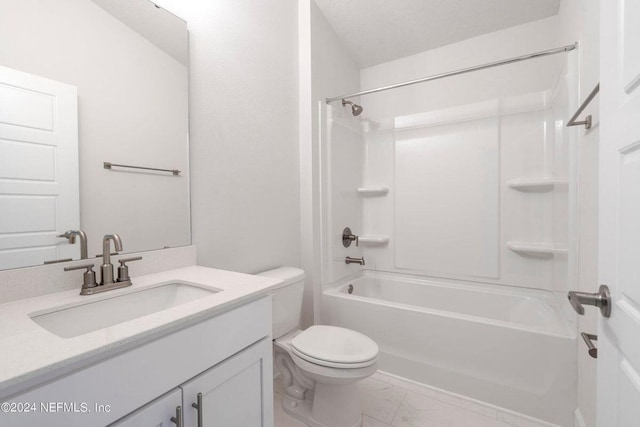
x: 198, y: 407
x: 600, y: 299
x: 589, y: 339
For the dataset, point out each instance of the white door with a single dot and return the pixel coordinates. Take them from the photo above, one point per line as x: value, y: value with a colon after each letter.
x: 39, y: 186
x: 236, y: 393
x: 619, y: 335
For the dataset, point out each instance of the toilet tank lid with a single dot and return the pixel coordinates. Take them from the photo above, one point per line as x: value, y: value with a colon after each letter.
x: 288, y: 275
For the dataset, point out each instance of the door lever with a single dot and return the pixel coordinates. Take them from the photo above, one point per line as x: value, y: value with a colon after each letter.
x: 600, y: 299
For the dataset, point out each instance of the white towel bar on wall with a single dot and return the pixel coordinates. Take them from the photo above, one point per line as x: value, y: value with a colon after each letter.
x: 109, y: 165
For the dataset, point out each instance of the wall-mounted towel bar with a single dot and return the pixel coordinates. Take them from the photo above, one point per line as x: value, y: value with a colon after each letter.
x: 109, y: 165
x: 587, y: 121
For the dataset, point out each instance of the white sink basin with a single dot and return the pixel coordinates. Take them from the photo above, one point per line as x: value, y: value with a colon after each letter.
x: 69, y: 322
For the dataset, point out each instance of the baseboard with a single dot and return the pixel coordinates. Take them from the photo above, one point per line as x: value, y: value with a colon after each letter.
x: 578, y: 419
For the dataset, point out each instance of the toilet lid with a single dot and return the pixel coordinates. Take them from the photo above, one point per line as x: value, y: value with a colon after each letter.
x: 335, y: 345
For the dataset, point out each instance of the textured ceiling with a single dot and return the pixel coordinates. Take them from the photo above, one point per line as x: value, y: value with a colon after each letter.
x: 377, y: 31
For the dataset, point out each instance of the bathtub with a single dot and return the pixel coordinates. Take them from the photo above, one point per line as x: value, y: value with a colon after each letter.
x: 505, y: 346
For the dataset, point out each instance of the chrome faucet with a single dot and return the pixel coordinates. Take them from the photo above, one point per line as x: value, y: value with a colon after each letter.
x: 89, y: 285
x: 107, y: 268
x: 352, y: 260
x: 71, y: 236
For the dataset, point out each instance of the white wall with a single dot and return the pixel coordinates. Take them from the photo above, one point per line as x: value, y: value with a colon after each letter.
x: 243, y: 132
x: 126, y: 86
x: 326, y: 69
x: 335, y: 72
x: 453, y: 91
x: 578, y: 20
x: 521, y: 95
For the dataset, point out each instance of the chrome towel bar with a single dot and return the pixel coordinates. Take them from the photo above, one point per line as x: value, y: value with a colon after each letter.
x: 587, y: 121
x: 109, y: 165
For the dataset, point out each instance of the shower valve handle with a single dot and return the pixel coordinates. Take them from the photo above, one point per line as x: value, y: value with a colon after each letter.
x: 348, y: 237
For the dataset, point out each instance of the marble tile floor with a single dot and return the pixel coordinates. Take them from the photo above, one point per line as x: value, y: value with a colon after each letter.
x: 389, y: 401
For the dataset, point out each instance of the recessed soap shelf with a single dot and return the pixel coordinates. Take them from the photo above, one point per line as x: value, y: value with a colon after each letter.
x: 373, y: 191
x: 533, y: 248
x: 374, y: 240
x: 535, y: 184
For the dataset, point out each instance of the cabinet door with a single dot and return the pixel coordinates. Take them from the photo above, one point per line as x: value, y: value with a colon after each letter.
x: 236, y: 393
x: 155, y: 414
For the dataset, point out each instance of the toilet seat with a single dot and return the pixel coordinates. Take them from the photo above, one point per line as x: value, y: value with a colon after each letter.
x: 335, y: 347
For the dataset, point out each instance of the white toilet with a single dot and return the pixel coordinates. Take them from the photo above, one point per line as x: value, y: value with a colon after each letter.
x: 320, y: 365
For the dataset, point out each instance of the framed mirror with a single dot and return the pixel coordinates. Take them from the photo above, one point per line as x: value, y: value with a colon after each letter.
x: 85, y: 84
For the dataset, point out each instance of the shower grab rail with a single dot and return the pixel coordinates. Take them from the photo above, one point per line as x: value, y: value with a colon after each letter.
x: 587, y: 120
x: 566, y: 48
x: 109, y: 165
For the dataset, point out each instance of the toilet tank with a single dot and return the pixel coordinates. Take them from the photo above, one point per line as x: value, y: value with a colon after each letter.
x: 286, y: 299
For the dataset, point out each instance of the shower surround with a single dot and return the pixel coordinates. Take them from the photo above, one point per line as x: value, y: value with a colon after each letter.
x: 462, y: 192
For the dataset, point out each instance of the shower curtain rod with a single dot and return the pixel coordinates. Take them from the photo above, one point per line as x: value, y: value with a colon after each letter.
x: 566, y: 48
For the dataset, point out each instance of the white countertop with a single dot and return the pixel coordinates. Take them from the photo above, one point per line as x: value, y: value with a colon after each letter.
x: 30, y: 354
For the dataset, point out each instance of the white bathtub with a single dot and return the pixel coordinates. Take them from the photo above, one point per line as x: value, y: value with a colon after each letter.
x: 509, y: 347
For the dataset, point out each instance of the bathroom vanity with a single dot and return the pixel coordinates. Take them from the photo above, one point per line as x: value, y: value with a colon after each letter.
x: 197, y: 352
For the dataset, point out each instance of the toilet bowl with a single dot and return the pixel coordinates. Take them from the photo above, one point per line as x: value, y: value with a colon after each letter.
x: 320, y: 366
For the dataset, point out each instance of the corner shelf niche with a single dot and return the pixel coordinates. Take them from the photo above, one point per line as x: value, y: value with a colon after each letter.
x: 535, y: 184
x: 532, y: 248
x: 373, y: 191
x: 372, y: 240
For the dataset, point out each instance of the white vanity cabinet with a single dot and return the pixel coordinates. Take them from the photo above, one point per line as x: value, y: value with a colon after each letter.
x: 158, y: 413
x: 227, y: 357
x: 236, y: 393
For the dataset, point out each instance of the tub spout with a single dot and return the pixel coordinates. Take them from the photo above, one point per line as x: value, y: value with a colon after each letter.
x: 351, y: 260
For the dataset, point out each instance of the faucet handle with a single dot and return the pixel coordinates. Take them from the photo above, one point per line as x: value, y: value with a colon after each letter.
x: 126, y: 260
x: 89, y: 276
x: 88, y: 266
x: 65, y: 235
x: 348, y: 237
x: 110, y: 253
x: 123, y: 270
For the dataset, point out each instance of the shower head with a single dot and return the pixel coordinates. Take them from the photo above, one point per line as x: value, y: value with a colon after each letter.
x: 355, y: 108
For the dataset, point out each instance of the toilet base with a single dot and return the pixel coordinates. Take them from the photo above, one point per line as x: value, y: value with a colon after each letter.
x: 302, y: 410
x: 319, y: 395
